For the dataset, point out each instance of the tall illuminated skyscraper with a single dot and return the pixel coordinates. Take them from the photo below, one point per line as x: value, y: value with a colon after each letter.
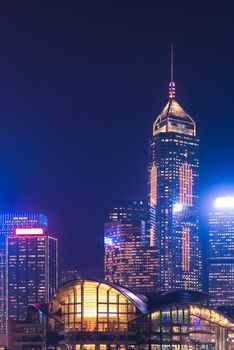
x: 8, y: 223
x: 129, y: 260
x: 173, y: 191
x: 221, y: 252
x: 31, y: 266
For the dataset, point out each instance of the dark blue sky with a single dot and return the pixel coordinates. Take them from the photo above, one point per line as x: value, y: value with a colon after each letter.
x: 80, y: 85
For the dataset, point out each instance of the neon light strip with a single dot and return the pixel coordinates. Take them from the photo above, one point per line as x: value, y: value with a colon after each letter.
x: 186, y: 185
x: 186, y: 249
x: 29, y: 231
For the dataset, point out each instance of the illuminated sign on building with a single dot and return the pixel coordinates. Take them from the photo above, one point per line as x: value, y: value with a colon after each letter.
x: 29, y: 231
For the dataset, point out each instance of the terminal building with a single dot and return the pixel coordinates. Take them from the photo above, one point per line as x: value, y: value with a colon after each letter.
x: 97, y: 315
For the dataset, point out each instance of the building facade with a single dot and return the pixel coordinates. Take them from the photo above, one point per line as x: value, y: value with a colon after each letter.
x: 97, y: 315
x: 8, y: 223
x: 221, y: 253
x: 129, y: 259
x: 183, y: 324
x: 32, y: 270
x: 173, y: 195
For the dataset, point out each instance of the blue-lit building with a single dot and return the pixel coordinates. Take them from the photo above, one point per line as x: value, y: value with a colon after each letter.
x: 8, y: 224
x: 221, y: 252
x: 129, y: 259
x: 31, y: 270
x: 173, y: 192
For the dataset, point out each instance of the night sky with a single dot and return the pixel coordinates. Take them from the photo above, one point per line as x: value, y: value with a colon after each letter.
x: 80, y: 85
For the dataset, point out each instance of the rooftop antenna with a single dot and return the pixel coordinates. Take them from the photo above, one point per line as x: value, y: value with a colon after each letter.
x: 172, y: 84
x: 172, y: 63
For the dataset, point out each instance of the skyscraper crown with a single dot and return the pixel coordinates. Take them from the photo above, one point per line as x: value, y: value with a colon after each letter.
x: 173, y: 117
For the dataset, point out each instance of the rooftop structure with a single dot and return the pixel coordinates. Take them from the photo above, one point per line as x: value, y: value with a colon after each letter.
x: 173, y: 118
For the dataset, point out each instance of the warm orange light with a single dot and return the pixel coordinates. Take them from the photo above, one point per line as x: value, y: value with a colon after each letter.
x: 173, y: 118
x: 186, y: 185
x: 153, y: 185
x: 186, y: 249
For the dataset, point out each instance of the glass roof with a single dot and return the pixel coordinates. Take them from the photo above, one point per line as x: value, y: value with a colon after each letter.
x: 139, y: 301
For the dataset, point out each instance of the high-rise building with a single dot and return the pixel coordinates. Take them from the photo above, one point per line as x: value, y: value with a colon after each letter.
x: 8, y: 223
x: 221, y: 252
x: 129, y: 260
x: 31, y: 266
x: 173, y: 191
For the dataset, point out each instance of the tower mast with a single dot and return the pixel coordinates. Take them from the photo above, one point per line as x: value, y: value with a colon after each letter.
x: 172, y: 84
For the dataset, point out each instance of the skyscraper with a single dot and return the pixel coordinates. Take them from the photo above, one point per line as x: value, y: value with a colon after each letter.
x: 221, y: 252
x: 32, y: 275
x: 173, y: 191
x: 8, y: 223
x: 129, y: 260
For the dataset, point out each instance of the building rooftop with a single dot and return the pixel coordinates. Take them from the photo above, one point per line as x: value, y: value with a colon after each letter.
x: 176, y: 297
x: 173, y: 118
x: 173, y: 108
x: 143, y: 302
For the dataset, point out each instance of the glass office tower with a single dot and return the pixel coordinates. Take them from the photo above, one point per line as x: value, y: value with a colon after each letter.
x: 8, y: 223
x: 221, y: 252
x: 173, y: 192
x: 31, y: 270
x: 129, y: 259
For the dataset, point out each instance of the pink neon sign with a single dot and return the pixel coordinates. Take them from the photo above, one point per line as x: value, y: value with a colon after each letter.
x: 29, y: 231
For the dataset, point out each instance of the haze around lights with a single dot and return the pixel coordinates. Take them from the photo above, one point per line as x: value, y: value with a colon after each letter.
x: 177, y: 208
x: 224, y: 202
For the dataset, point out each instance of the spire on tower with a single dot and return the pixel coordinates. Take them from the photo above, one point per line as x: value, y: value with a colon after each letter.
x: 172, y: 84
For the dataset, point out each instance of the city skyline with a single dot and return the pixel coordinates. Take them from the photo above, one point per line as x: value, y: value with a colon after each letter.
x: 70, y: 87
x: 117, y: 176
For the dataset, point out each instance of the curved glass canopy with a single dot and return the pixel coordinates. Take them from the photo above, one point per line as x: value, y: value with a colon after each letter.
x: 89, y: 305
